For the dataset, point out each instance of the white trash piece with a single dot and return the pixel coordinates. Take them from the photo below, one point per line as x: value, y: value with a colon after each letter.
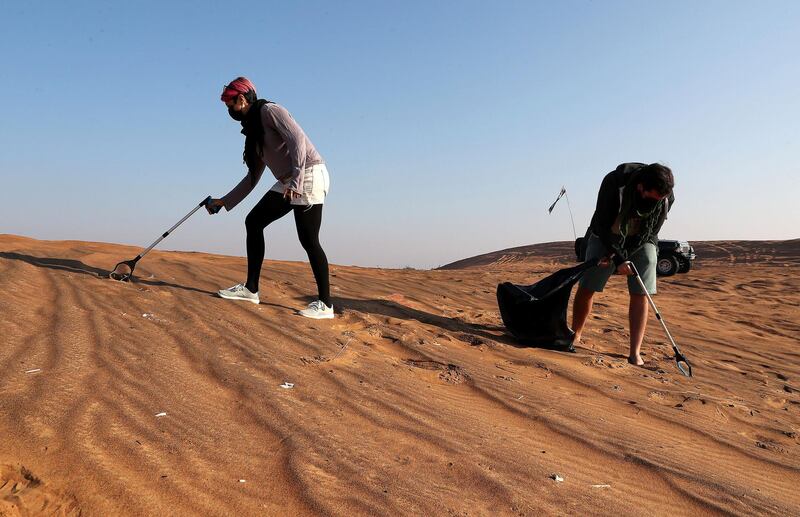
x: 161, y: 414
x: 287, y: 385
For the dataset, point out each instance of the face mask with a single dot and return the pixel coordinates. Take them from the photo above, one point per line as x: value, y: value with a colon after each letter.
x: 235, y: 115
x: 645, y: 205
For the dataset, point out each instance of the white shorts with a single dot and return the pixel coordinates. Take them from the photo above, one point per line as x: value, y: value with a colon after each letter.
x: 316, y: 183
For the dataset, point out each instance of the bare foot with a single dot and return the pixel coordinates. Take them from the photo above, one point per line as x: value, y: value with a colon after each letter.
x: 636, y: 360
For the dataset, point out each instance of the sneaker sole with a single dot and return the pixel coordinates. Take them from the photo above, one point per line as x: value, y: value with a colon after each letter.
x: 323, y: 317
x: 226, y: 297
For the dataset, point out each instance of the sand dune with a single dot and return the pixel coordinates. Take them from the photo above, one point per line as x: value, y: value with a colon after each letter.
x: 412, y: 401
x: 762, y: 253
x: 778, y: 253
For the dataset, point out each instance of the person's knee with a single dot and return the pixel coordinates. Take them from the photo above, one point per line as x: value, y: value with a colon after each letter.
x: 310, y: 243
x: 638, y: 301
x: 253, y: 223
x: 584, y: 294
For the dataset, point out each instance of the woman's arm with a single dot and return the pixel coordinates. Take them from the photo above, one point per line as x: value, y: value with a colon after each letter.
x: 242, y: 189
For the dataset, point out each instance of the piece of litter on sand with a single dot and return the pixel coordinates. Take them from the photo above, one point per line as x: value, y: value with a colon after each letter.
x: 242, y: 480
x: 287, y: 385
x: 601, y: 486
x: 520, y: 397
x: 342, y: 348
x: 34, y: 370
x: 161, y: 414
x: 556, y: 478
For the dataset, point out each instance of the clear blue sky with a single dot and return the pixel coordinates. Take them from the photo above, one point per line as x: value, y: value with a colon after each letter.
x: 448, y: 127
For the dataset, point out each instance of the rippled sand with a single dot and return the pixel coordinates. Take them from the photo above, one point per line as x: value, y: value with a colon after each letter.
x: 412, y: 401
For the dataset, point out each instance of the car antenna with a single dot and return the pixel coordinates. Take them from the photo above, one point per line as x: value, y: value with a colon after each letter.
x: 572, y: 219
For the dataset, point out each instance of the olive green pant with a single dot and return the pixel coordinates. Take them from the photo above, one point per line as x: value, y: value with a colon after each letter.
x: 644, y: 258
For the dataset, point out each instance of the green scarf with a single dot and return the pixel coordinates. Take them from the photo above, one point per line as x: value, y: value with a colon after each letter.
x: 627, y: 209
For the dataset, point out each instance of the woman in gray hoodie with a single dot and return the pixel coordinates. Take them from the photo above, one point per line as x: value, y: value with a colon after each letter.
x: 273, y: 139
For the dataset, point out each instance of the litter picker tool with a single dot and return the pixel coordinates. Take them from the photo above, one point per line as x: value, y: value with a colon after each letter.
x: 124, y: 270
x: 679, y: 357
x: 563, y: 194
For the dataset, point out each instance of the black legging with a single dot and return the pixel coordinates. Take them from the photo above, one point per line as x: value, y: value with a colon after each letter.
x: 272, y: 207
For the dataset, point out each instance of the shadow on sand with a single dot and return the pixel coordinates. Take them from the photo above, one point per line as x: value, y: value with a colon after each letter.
x: 469, y: 331
x: 76, y: 266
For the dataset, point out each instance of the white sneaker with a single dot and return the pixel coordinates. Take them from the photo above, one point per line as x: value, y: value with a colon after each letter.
x: 238, y: 292
x: 318, y: 311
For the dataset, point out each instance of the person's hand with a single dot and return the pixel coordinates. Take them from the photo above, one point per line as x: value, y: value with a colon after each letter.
x: 290, y: 194
x: 214, y: 206
x: 625, y: 269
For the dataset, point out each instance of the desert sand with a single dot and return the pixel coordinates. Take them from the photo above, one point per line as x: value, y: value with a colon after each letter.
x: 157, y: 398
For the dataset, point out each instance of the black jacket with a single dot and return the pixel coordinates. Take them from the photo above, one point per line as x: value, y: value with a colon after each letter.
x: 608, y: 207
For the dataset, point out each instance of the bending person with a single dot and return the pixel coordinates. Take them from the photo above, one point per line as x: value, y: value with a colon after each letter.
x: 632, y: 205
x: 273, y: 139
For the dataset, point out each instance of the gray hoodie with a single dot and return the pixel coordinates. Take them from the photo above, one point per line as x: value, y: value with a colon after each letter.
x: 286, y: 150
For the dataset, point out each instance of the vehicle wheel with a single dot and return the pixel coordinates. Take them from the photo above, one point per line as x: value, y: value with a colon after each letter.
x: 685, y: 266
x: 667, y: 266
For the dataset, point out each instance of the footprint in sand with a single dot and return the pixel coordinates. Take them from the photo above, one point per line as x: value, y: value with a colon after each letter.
x: 505, y: 378
x: 23, y: 493
x: 476, y: 341
x: 770, y: 445
x: 450, y: 373
x: 317, y: 359
x: 599, y: 361
x: 775, y: 403
x: 596, y: 361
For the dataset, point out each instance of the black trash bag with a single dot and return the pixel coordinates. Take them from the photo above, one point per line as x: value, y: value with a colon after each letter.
x: 537, y: 314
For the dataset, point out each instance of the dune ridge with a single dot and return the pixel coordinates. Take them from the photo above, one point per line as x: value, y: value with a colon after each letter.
x: 763, y: 253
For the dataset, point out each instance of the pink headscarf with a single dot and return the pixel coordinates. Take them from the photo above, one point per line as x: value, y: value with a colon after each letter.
x: 239, y: 85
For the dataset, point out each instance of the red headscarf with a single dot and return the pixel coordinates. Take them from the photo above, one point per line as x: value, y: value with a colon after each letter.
x: 239, y: 85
